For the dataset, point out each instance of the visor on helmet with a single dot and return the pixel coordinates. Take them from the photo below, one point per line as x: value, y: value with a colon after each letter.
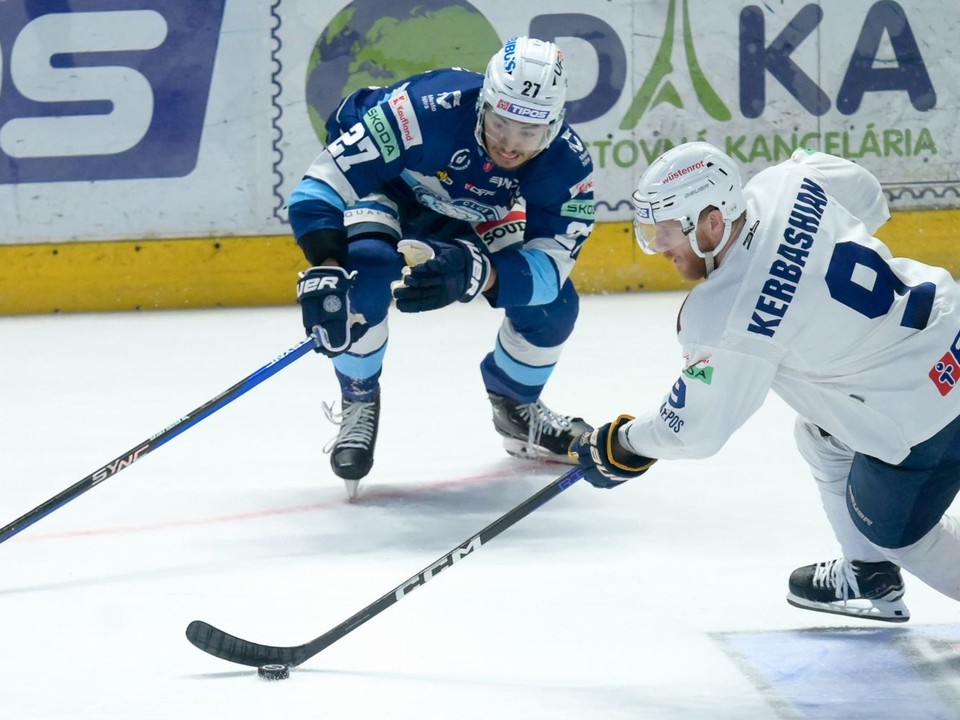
x: 511, y: 135
x: 657, y: 236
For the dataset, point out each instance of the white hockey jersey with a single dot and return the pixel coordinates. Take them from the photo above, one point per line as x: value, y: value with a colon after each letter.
x: 808, y: 303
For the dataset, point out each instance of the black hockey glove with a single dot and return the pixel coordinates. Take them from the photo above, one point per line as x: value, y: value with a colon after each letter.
x: 322, y: 294
x: 458, y: 271
x: 605, y: 463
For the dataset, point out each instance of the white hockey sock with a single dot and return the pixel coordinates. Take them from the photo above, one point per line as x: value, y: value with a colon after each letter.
x: 830, y: 461
x: 934, y: 558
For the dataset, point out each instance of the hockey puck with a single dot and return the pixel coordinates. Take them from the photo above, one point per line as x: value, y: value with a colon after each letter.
x: 274, y: 672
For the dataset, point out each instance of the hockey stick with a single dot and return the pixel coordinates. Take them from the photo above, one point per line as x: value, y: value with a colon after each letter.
x: 161, y: 438
x: 229, y: 647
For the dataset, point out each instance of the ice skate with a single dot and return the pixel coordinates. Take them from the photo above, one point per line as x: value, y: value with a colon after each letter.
x: 872, y: 591
x: 533, y: 431
x: 351, y: 451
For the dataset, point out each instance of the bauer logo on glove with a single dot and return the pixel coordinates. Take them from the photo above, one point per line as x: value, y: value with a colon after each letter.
x: 322, y: 293
x: 311, y: 282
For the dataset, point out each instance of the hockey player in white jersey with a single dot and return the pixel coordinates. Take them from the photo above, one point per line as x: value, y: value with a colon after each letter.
x: 799, y: 297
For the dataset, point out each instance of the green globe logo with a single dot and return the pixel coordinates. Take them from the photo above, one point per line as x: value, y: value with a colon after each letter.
x: 372, y: 42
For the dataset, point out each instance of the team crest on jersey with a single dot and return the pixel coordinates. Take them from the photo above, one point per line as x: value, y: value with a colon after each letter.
x: 946, y: 372
x: 462, y: 209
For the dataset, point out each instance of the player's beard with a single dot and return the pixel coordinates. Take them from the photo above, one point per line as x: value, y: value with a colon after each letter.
x: 689, y: 266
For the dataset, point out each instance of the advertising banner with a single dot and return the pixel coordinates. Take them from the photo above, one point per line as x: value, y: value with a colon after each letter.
x: 136, y: 119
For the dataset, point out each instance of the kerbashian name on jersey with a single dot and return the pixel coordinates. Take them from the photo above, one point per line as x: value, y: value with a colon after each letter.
x: 787, y: 269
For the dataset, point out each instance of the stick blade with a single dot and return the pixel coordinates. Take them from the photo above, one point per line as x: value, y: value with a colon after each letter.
x: 225, y: 646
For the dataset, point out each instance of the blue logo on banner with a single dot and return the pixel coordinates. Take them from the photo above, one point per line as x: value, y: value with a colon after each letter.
x: 104, y: 89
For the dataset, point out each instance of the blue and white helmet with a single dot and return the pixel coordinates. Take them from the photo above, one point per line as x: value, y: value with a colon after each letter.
x: 525, y: 82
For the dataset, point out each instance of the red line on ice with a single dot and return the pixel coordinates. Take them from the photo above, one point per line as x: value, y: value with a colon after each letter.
x: 291, y: 510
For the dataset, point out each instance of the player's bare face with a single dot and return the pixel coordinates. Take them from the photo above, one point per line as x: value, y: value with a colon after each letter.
x: 510, y: 143
x: 674, y: 244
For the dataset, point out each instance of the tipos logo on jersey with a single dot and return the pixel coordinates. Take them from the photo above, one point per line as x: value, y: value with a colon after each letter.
x: 946, y: 372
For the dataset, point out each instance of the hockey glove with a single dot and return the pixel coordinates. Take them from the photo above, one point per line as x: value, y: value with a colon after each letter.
x: 458, y: 271
x: 606, y: 464
x: 322, y: 294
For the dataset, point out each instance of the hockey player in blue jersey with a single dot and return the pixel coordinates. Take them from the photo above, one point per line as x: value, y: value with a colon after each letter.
x: 403, y: 205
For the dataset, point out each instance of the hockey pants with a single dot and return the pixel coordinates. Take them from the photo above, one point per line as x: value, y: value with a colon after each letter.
x: 527, y: 347
x: 884, y: 512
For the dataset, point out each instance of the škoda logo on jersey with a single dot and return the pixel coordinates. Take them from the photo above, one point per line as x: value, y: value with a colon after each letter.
x: 946, y: 372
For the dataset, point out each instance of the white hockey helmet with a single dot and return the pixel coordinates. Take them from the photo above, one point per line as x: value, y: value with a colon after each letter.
x: 679, y: 185
x: 526, y: 83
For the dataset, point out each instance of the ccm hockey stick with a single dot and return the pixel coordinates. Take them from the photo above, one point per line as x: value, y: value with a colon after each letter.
x: 161, y: 438
x: 243, y: 652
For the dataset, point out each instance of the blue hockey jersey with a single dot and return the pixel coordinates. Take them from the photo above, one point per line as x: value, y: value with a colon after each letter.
x: 415, y: 142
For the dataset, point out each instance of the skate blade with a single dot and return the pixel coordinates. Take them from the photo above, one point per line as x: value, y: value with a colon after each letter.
x: 519, y: 449
x: 352, y: 488
x: 883, y: 610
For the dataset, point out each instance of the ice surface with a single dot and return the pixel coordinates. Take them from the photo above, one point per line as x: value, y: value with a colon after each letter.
x: 662, y: 599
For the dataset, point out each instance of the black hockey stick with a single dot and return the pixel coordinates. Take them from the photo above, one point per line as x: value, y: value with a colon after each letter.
x: 162, y: 437
x: 229, y: 647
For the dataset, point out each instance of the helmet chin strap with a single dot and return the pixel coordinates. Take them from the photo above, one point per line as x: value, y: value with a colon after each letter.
x: 709, y: 255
